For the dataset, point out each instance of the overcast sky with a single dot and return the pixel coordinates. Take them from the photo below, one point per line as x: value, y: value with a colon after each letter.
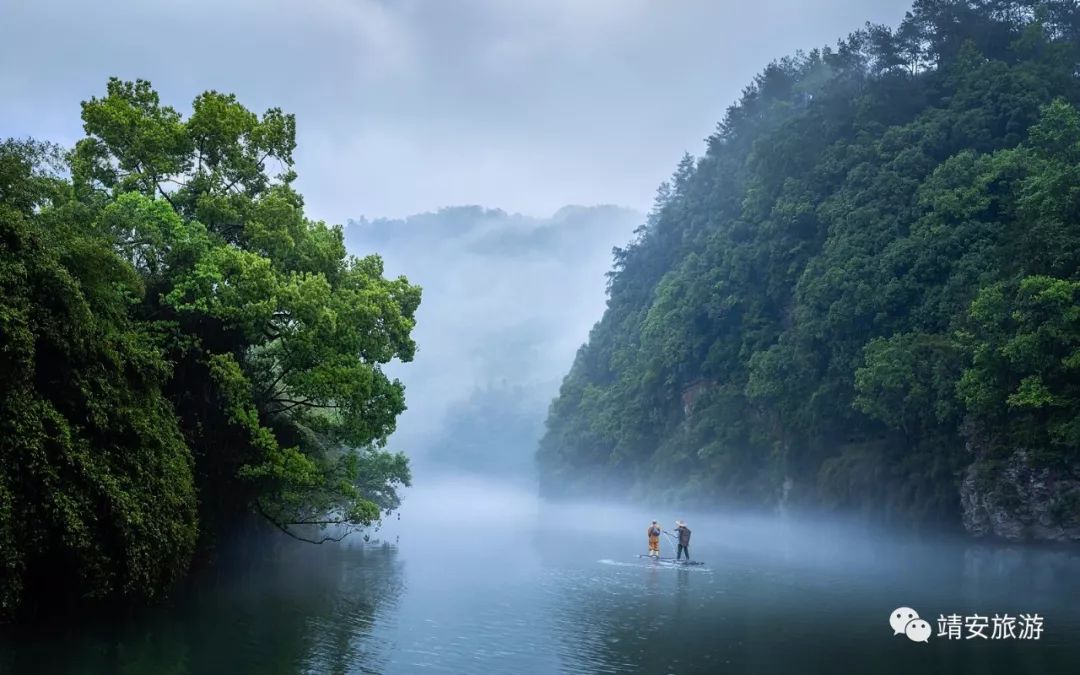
x: 404, y: 106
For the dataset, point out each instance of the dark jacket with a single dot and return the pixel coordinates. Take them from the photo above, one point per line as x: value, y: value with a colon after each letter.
x: 684, y: 535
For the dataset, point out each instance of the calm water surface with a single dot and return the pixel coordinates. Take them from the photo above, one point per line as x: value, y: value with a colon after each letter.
x: 478, y: 579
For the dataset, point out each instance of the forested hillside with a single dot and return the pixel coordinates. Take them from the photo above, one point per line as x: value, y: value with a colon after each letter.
x: 864, y: 296
x: 179, y: 346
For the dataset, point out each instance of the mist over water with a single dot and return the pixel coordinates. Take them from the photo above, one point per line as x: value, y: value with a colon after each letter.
x: 876, y: 244
x: 481, y: 576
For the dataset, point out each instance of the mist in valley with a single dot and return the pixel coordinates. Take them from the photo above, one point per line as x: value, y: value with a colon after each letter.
x: 839, y: 351
x: 507, y: 300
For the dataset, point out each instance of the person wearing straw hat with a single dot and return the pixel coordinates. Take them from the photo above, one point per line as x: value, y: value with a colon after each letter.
x: 654, y: 539
x: 684, y: 540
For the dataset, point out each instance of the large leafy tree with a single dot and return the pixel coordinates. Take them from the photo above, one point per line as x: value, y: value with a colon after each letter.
x: 180, y: 346
x: 277, y: 335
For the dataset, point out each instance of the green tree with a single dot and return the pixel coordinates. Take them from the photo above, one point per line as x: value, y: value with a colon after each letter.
x: 277, y: 335
x: 180, y: 346
x: 97, y: 498
x: 1023, y: 383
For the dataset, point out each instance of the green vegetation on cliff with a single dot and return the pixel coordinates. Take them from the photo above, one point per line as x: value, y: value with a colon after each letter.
x: 179, y: 346
x: 866, y: 294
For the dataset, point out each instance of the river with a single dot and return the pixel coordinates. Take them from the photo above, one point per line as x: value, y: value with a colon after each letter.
x: 477, y: 578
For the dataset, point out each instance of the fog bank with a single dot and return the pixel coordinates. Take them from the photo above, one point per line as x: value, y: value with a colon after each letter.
x: 507, y: 300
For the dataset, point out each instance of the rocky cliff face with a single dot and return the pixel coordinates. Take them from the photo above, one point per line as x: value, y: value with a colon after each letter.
x: 1017, y: 499
x: 692, y: 392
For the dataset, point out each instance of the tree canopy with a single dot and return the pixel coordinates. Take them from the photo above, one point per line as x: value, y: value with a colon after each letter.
x: 180, y: 345
x: 864, y: 288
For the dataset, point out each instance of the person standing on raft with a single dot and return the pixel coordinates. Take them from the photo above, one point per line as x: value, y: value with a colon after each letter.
x: 684, y: 539
x: 654, y: 539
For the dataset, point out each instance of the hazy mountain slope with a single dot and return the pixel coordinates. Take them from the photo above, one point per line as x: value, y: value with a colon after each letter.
x: 507, y: 300
x: 864, y: 295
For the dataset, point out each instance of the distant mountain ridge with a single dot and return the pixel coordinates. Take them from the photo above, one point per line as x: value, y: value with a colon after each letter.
x: 571, y: 228
x: 507, y: 299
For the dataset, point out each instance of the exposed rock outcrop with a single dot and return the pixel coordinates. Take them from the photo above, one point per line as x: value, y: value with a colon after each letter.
x: 691, y: 393
x: 1019, y: 500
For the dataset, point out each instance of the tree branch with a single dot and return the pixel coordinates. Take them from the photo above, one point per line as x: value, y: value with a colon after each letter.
x: 270, y: 389
x: 306, y: 404
x: 164, y: 194
x: 154, y: 179
x: 284, y: 527
x: 237, y: 179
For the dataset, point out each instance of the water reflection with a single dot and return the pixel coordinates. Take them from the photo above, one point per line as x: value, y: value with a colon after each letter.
x: 285, y: 607
x: 485, y: 581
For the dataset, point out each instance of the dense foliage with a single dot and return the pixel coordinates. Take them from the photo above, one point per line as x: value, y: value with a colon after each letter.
x: 864, y: 291
x: 96, y: 493
x: 179, y: 345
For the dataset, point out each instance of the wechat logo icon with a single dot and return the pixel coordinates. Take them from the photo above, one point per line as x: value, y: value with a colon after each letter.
x: 906, y: 621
